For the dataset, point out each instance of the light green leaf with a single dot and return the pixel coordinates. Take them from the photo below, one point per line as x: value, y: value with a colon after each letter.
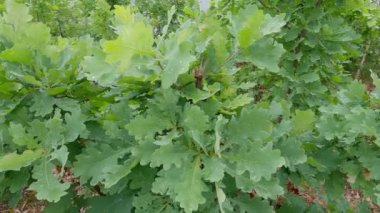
x: 265, y: 54
x: 303, y: 121
x: 246, y: 25
x: 14, y: 161
x: 273, y: 24
x: 195, y: 119
x: 21, y: 137
x: 61, y: 155
x: 192, y: 93
x: 219, y: 125
x: 134, y: 38
x: 309, y: 77
x: 42, y: 104
x: 96, y: 69
x: 18, y: 53
x: 54, y: 135
x: 182, y: 52
x: 17, y: 14
x: 239, y: 101
x: 47, y: 186
x: 37, y: 34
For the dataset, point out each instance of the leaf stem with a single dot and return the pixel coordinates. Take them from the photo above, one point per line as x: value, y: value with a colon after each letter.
x: 361, y: 65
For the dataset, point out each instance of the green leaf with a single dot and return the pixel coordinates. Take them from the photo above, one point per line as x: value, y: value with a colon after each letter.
x: 244, y: 182
x: 18, y: 180
x: 143, y: 151
x: 251, y: 24
x: 17, y: 14
x: 310, y: 77
x: 294, y: 203
x: 260, y: 162
x: 219, y: 127
x: 268, y: 188
x: 182, y: 52
x: 99, y: 164
x: 370, y: 159
x: 184, y: 184
x: 38, y: 35
x: 121, y: 203
x: 54, y: 135
x: 64, y: 205
x: 354, y: 93
x: 21, y: 137
x: 96, y: 69
x: 189, y: 190
x: 167, y: 180
x: 254, y: 205
x: 61, y: 155
x: 293, y: 153
x: 171, y: 154
x: 146, y: 127
x: 253, y: 123
x: 335, y: 186
x: 68, y: 104
x: 47, y: 186
x: 195, y: 119
x: 42, y: 104
x: 377, y: 194
x: 246, y: 25
x: 303, y: 121
x: 213, y: 169
x: 192, y: 93
x: 265, y: 54
x: 273, y: 24
x: 18, y: 53
x: 239, y: 101
x: 134, y: 38
x: 14, y: 161
x: 75, y: 126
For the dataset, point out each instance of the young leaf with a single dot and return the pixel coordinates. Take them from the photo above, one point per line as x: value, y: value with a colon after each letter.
x: 182, y: 53
x: 135, y: 38
x: 14, y: 161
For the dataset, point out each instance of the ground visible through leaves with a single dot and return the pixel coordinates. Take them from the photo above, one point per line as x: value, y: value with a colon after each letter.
x: 29, y: 204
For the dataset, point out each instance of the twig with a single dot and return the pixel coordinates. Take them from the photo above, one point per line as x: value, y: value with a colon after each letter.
x: 362, y: 61
x: 269, y: 7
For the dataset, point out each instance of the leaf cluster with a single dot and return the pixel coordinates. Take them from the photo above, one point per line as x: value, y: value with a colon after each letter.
x: 244, y: 107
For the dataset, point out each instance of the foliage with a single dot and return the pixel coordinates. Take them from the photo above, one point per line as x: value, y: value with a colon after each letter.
x: 235, y: 109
